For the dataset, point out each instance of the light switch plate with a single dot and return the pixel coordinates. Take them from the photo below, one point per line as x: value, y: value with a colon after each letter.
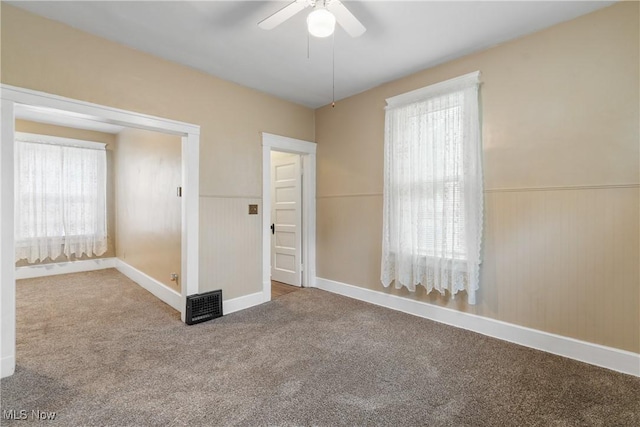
x: 253, y: 209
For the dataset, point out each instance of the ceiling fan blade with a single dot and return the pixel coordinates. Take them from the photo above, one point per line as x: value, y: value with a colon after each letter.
x: 350, y: 23
x: 283, y: 14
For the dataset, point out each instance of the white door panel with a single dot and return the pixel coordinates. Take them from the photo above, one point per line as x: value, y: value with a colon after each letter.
x: 286, y: 216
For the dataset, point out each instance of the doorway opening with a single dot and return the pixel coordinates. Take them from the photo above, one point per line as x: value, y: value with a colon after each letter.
x: 123, y: 204
x: 14, y: 98
x: 289, y: 224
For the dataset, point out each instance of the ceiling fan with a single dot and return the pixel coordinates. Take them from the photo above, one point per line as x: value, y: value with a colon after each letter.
x: 322, y: 19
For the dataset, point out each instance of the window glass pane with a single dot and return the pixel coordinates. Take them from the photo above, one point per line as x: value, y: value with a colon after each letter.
x: 57, y: 190
x: 429, y: 156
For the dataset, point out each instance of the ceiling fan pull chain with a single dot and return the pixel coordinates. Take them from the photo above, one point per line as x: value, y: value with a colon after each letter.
x: 333, y: 70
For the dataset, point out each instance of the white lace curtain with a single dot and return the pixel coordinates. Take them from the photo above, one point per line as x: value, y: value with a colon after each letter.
x: 60, y: 198
x: 433, y: 193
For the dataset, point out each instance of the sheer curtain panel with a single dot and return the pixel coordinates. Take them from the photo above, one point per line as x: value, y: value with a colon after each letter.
x: 60, y: 198
x: 433, y: 192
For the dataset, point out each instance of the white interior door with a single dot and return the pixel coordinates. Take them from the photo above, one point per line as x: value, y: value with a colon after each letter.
x: 286, y: 218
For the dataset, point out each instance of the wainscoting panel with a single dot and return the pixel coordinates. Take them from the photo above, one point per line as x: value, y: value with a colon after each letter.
x: 566, y: 261
x: 558, y: 260
x: 230, y: 246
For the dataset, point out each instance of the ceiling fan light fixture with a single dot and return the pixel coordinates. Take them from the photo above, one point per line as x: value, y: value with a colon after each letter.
x: 321, y: 23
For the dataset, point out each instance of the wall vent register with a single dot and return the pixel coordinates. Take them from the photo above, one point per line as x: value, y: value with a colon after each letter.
x: 203, y: 307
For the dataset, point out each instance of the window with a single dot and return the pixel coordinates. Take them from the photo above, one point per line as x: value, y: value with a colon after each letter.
x: 432, y: 222
x: 60, y: 197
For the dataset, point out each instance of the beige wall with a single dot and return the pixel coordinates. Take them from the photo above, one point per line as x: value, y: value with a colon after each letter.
x: 85, y: 135
x: 44, y: 55
x: 148, y: 171
x: 561, y: 161
x: 560, y: 110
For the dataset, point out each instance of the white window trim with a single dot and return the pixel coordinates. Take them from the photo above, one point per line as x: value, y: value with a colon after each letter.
x: 56, y: 140
x: 421, y: 94
x: 405, y: 101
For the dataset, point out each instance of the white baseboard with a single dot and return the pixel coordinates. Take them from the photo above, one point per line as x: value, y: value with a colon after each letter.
x: 7, y: 366
x: 41, y: 270
x: 594, y: 354
x: 240, y: 303
x: 164, y: 293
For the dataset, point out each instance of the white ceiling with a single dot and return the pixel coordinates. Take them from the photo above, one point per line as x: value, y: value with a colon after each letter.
x: 222, y: 38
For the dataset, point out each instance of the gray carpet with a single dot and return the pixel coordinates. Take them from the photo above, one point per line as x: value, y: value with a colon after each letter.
x: 99, y: 350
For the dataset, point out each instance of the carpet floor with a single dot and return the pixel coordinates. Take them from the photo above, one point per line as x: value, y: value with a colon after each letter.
x: 98, y: 350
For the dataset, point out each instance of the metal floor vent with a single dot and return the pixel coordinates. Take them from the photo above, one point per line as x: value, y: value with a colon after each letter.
x: 203, y: 307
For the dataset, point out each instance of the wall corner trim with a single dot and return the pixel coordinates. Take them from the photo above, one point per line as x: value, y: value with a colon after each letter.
x: 594, y: 354
x: 169, y: 296
x: 240, y: 303
x: 41, y: 270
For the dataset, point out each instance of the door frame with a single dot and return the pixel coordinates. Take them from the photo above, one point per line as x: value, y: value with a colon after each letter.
x: 307, y: 150
x: 12, y: 95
